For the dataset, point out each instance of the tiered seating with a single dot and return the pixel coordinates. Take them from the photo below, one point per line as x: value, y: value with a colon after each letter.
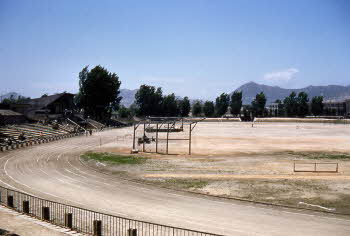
x: 95, y: 124
x: 30, y: 131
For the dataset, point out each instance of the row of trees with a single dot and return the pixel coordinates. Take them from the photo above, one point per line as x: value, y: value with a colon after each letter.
x: 150, y: 101
x: 99, y: 97
x: 299, y: 105
x: 225, y: 103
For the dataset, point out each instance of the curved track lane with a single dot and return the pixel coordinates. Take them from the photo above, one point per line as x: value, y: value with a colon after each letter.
x: 53, y: 171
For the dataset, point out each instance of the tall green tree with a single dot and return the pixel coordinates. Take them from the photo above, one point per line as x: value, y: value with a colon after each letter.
x: 149, y: 101
x: 303, y: 104
x: 317, y: 105
x: 291, y: 104
x: 221, y: 104
x: 209, y: 109
x: 197, y: 109
x: 124, y: 112
x: 170, y: 106
x: 236, y: 103
x: 258, y: 104
x: 98, y: 92
x: 184, y: 107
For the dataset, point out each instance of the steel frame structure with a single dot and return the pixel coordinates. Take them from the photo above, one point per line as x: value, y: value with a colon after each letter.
x: 164, y: 124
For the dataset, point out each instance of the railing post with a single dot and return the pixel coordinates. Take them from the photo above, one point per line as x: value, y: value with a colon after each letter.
x: 132, y: 232
x: 26, y: 207
x: 10, y: 201
x: 315, y: 167
x: 68, y: 220
x: 45, y: 211
x: 97, y: 228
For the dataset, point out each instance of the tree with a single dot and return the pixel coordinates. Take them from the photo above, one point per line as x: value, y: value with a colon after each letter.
x: 317, y: 105
x: 258, y: 104
x: 209, y: 109
x: 291, y: 104
x: 124, y: 112
x: 197, y: 109
x: 221, y: 104
x: 98, y: 92
x: 303, y: 104
x: 149, y: 100
x: 170, y: 106
x: 184, y: 107
x: 236, y: 103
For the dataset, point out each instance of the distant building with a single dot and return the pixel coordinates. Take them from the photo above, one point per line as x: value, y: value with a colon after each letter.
x: 47, y: 107
x: 347, y: 107
x: 335, y: 108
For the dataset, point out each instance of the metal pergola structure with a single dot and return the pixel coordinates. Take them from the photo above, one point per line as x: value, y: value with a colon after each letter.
x: 164, y: 125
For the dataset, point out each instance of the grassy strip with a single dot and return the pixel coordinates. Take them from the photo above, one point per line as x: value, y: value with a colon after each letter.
x: 114, y: 158
x: 186, y: 183
x: 322, y: 155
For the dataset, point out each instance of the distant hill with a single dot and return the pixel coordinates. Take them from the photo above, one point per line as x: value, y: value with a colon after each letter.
x: 128, y: 96
x: 272, y: 93
x: 8, y: 95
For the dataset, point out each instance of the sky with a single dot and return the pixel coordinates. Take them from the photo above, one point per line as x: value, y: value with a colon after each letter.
x: 192, y: 48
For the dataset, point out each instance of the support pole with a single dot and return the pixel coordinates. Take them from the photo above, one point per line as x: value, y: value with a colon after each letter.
x: 189, y: 140
x: 144, y: 136
x: 26, y: 207
x: 97, y: 228
x: 68, y: 220
x: 167, y: 140
x: 133, y: 141
x: 157, y: 139
x: 10, y: 201
x: 45, y: 211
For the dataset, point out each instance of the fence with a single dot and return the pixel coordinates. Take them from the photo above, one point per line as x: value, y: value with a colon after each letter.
x: 316, y: 167
x: 87, y: 221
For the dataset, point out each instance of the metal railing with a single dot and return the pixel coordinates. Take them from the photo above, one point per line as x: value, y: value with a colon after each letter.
x: 87, y: 221
x: 313, y: 167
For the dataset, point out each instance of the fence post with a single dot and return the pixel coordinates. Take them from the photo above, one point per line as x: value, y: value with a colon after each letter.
x: 97, y: 228
x: 132, y: 232
x: 68, y: 220
x: 315, y: 167
x: 45, y: 211
x: 26, y: 207
x: 10, y: 201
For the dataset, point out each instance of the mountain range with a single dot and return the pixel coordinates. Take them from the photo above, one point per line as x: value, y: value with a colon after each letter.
x: 329, y: 92
x: 249, y: 91
x: 9, y: 95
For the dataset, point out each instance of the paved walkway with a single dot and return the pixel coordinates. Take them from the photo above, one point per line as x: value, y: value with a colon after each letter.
x: 26, y: 226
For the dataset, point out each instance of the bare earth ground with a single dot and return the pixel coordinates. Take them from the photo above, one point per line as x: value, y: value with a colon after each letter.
x: 53, y: 171
x: 252, y: 163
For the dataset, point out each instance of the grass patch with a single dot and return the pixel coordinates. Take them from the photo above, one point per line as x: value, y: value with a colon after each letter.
x: 322, y: 155
x: 186, y: 183
x: 114, y: 158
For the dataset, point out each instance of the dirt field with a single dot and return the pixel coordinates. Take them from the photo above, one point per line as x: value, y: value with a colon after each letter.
x: 253, y: 163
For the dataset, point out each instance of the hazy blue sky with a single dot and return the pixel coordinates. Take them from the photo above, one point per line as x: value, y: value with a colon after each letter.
x: 194, y: 48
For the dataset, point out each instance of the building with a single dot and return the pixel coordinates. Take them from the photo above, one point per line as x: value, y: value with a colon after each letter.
x: 8, y: 117
x: 49, y: 107
x: 335, y: 108
x: 347, y: 107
